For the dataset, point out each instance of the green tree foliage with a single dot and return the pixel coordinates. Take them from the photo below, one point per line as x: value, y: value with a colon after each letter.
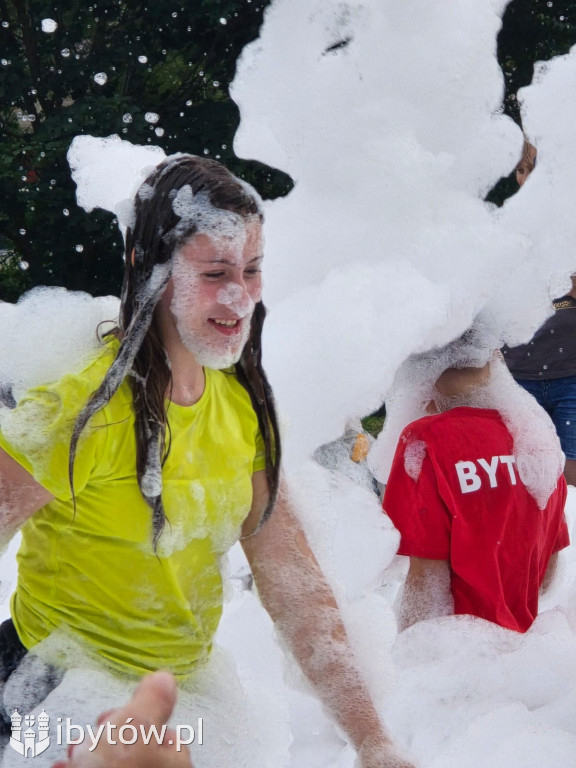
x: 532, y: 30
x: 105, y: 66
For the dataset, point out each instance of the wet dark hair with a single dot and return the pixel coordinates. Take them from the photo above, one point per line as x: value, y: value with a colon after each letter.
x: 156, y: 233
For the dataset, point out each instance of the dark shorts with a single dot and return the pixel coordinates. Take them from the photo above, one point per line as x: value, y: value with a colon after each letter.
x: 11, y: 650
x: 558, y: 398
x: 11, y: 654
x: 15, y: 662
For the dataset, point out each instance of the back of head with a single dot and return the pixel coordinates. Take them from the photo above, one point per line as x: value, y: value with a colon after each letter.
x: 451, y: 375
x: 462, y: 381
x: 472, y: 350
x: 465, y: 366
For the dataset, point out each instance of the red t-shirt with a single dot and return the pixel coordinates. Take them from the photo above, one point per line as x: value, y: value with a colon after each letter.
x: 455, y: 494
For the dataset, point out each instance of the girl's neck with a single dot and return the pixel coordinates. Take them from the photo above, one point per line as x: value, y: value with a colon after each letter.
x: 188, y: 377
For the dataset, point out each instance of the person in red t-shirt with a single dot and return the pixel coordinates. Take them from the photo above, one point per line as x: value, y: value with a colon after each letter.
x: 477, y: 540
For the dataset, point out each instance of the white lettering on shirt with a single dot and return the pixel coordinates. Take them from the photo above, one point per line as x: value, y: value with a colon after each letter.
x: 509, y: 460
x: 471, y: 480
x: 468, y: 477
x: 490, y: 469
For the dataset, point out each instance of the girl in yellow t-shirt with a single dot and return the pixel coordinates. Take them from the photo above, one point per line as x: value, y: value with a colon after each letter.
x: 132, y: 477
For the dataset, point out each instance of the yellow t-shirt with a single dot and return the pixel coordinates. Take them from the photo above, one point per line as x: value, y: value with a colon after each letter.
x: 95, y: 573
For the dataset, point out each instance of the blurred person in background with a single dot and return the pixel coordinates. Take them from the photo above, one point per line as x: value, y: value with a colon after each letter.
x: 546, y: 365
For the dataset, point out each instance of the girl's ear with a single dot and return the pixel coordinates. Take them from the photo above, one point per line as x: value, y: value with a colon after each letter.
x: 133, y: 256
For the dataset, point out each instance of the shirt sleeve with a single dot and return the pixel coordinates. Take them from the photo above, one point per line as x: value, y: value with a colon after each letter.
x: 414, y: 504
x: 37, y: 435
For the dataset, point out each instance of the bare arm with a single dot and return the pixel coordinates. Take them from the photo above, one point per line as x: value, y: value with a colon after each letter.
x: 21, y: 496
x: 426, y: 592
x: 302, y: 605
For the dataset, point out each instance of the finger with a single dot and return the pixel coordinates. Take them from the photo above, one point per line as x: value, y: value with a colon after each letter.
x: 154, y: 699
x: 107, y: 716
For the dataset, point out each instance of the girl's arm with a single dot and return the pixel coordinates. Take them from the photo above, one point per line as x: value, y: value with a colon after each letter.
x: 302, y: 605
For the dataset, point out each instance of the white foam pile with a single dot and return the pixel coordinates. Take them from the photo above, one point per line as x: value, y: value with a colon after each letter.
x: 385, y: 246
x: 387, y: 116
x: 108, y: 173
x: 50, y: 332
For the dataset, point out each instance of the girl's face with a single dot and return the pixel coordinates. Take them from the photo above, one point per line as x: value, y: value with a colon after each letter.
x: 216, y: 282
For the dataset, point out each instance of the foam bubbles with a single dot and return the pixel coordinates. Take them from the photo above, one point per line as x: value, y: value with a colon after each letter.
x: 414, y: 456
x: 394, y: 165
x: 207, y: 219
x: 108, y: 171
x: 383, y: 249
x: 53, y: 331
x: 235, y: 298
x: 49, y: 26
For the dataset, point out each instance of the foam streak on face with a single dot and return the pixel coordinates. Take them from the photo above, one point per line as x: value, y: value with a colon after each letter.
x: 215, y: 286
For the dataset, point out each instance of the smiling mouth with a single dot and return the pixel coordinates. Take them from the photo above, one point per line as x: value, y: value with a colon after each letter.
x: 227, y: 327
x: 227, y: 323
